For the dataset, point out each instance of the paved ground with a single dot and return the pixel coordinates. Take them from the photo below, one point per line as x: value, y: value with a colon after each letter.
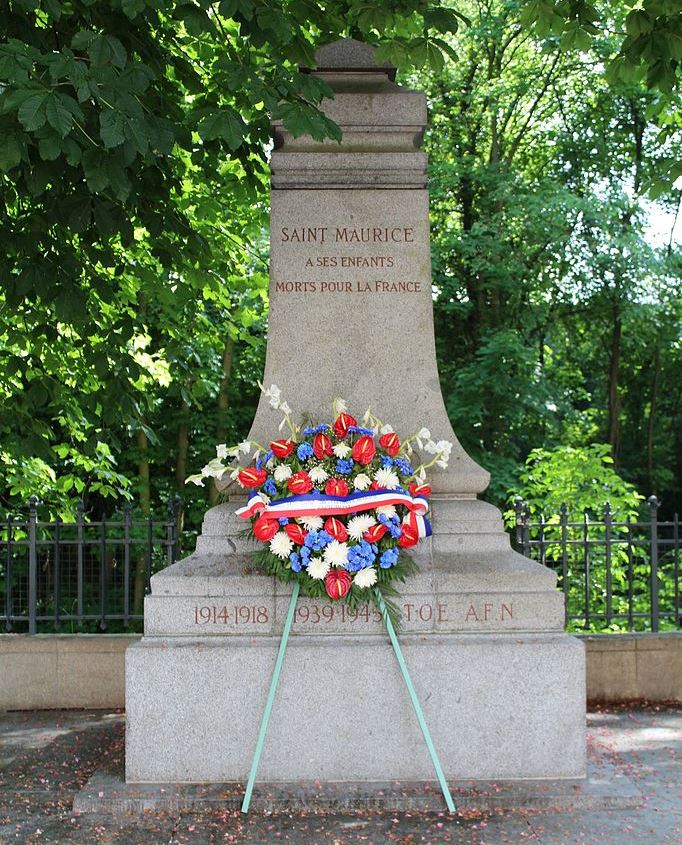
x: 47, y: 757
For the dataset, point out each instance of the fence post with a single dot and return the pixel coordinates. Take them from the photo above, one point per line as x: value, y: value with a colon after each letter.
x: 127, y: 522
x: 57, y: 572
x: 80, y: 522
x: 654, y: 505
x: 32, y: 564
x: 8, y: 577
x: 518, y: 512
x: 563, y: 521
x: 608, y: 518
x: 172, y: 529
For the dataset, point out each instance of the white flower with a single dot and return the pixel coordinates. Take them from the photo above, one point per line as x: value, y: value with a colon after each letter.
x: 340, y: 405
x: 318, y: 475
x: 244, y: 447
x: 281, y: 545
x: 386, y: 429
x: 386, y: 510
x: 214, y: 468
x: 221, y: 451
x: 311, y: 523
x: 386, y: 478
x: 359, y: 524
x: 284, y: 408
x: 274, y: 394
x: 361, y: 481
x: 195, y: 479
x: 282, y: 473
x: 365, y: 577
x: 336, y: 554
x: 341, y: 450
x: 424, y: 434
x: 317, y: 568
x: 266, y: 499
x: 431, y: 447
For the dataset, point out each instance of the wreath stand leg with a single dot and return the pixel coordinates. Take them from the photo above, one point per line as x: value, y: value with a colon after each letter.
x: 271, y: 698
x: 415, y: 702
x: 406, y: 677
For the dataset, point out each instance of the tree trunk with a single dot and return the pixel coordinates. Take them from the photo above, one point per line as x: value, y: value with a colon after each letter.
x: 145, y: 506
x: 652, y: 418
x: 181, y: 459
x: 614, y: 377
x: 222, y: 408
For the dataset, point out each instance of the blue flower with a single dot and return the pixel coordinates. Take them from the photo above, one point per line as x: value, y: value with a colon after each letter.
x: 344, y: 466
x: 317, y: 540
x: 387, y: 461
x: 383, y: 519
x: 356, y: 429
x: 403, y: 466
x: 283, y: 520
x: 295, y: 561
x: 389, y: 558
x: 318, y: 429
x: 269, y: 487
x: 305, y: 555
x: 395, y: 531
x: 361, y: 556
x: 269, y: 454
x: 304, y: 451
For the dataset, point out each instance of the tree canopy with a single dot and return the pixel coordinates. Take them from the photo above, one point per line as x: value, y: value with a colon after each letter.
x: 134, y: 145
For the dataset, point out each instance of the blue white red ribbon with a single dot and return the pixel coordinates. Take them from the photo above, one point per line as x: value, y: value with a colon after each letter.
x: 321, y: 504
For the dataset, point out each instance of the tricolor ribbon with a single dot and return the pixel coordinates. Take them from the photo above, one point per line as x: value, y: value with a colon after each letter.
x: 321, y: 504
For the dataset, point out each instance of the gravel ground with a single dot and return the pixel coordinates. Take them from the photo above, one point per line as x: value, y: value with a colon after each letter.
x: 46, y: 757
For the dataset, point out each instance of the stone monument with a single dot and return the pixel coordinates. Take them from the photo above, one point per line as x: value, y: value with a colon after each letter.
x: 501, y: 684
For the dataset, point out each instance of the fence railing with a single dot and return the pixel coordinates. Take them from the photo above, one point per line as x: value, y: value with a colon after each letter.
x: 615, y: 574
x: 83, y: 575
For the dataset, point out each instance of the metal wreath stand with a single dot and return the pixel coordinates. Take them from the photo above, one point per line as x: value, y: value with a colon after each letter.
x: 406, y: 677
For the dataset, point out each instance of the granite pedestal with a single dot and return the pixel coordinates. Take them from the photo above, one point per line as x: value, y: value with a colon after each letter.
x: 502, y: 687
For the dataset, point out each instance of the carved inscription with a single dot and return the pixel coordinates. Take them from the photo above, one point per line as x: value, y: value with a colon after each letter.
x: 237, y: 614
x: 413, y: 613
x: 327, y: 255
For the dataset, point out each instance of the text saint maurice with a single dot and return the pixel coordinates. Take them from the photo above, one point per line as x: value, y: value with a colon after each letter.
x: 345, y: 235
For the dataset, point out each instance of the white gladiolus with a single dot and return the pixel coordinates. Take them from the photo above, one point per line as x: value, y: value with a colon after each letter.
x: 195, y: 479
x: 318, y: 475
x: 386, y: 478
x: 386, y: 429
x: 361, y: 481
x: 336, y: 554
x: 311, y: 523
x: 284, y: 408
x: 342, y: 450
x: 221, y: 451
x: 424, y: 434
x: 365, y: 578
x: 245, y: 447
x: 281, y: 545
x: 359, y: 524
x: 282, y: 473
x: 340, y: 405
x: 274, y: 394
x: 317, y: 568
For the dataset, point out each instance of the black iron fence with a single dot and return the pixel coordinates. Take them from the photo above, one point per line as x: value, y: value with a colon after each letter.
x: 91, y: 576
x: 81, y: 576
x: 616, y: 574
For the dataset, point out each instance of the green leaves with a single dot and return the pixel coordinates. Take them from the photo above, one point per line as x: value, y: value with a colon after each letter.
x: 58, y: 116
x: 32, y: 112
x: 10, y: 151
x: 226, y: 124
x: 111, y: 128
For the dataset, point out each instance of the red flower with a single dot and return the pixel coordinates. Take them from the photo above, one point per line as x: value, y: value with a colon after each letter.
x: 390, y: 442
x: 364, y: 450
x: 419, y: 489
x: 336, y: 487
x: 252, y: 477
x: 265, y: 529
x: 322, y: 446
x: 410, y: 535
x: 282, y: 448
x: 375, y: 533
x: 337, y: 583
x: 343, y: 423
x: 336, y: 529
x: 295, y: 533
x: 300, y: 483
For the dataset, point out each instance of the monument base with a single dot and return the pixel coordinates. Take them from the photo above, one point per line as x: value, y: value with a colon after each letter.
x: 499, y: 706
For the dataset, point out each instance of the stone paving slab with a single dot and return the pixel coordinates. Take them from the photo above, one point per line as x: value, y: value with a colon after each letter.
x: 48, y: 757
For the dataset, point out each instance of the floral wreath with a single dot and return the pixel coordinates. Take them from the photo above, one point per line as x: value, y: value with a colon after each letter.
x: 335, y: 505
